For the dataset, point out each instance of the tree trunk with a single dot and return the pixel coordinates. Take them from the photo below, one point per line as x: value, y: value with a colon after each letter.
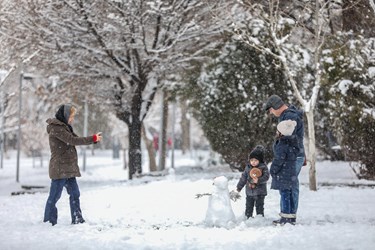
x: 150, y: 150
x: 163, y: 134
x: 133, y: 118
x: 135, y: 152
x: 312, y: 150
x: 185, y: 127
x: 125, y: 160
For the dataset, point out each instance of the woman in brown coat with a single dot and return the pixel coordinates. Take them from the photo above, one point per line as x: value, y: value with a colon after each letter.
x: 63, y: 166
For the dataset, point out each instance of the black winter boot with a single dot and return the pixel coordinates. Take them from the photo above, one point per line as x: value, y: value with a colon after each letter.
x: 78, y: 221
x: 282, y: 221
x: 293, y: 221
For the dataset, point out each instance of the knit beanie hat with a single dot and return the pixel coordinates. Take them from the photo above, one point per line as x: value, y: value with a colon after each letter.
x: 274, y: 101
x: 257, y: 153
x: 286, y: 127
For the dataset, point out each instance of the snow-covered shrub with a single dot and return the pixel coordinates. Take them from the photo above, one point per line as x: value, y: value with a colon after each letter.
x: 350, y: 101
x: 229, y: 98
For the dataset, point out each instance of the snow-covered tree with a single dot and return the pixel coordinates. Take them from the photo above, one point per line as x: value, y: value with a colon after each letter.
x: 349, y: 86
x: 229, y: 97
x: 124, y: 47
x: 22, y: 107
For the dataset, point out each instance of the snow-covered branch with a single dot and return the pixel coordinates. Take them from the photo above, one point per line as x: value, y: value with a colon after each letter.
x: 13, y: 68
x: 372, y: 4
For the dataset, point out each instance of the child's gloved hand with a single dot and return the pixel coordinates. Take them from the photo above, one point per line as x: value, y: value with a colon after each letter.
x: 234, y: 195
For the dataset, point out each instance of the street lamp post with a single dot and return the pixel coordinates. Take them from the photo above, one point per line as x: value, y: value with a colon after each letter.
x: 85, y: 125
x: 22, y: 76
x: 19, y: 129
x: 160, y: 166
x: 2, y: 130
x: 173, y: 133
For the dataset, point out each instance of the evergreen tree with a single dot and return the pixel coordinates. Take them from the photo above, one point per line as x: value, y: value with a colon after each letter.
x: 350, y: 111
x: 229, y: 98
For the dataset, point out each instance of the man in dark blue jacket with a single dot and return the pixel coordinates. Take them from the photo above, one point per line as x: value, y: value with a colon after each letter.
x: 275, y: 106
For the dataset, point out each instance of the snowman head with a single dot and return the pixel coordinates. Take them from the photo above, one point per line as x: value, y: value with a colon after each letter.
x: 221, y: 183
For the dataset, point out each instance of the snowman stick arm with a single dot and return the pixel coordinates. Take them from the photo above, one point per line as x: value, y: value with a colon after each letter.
x: 197, y: 196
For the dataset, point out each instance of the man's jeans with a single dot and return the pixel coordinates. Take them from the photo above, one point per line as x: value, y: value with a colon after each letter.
x: 295, y: 188
x: 50, y: 212
x: 287, y: 203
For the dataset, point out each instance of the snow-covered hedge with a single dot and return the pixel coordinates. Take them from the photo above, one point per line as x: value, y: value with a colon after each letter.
x: 350, y: 101
x: 229, y: 97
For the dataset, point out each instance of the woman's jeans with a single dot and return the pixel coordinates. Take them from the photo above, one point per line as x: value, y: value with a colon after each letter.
x: 57, y: 185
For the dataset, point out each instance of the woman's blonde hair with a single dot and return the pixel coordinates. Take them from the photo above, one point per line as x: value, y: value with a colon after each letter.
x: 73, y: 110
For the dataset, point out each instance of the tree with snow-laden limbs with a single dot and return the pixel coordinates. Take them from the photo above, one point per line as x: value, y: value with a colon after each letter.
x: 122, y: 51
x: 349, y: 86
x: 228, y: 97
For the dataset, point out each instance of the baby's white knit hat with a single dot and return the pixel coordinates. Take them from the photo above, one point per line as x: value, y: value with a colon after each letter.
x: 286, y: 127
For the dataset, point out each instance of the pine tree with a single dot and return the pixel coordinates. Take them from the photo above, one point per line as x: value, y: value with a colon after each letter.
x: 229, y: 101
x: 350, y: 111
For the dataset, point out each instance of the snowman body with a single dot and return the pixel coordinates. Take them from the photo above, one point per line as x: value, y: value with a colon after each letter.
x: 219, y: 212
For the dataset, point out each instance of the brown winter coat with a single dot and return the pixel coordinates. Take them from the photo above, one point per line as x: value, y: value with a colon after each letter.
x: 62, y: 142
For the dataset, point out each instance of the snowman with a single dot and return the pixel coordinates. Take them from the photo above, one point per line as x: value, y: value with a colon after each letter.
x: 219, y: 212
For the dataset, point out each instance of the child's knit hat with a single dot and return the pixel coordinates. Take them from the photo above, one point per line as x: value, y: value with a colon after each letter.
x: 286, y: 127
x: 257, y: 153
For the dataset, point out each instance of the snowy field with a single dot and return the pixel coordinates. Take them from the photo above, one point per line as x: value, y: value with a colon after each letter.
x: 162, y: 213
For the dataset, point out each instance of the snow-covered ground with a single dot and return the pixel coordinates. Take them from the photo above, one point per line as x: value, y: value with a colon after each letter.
x: 162, y: 213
